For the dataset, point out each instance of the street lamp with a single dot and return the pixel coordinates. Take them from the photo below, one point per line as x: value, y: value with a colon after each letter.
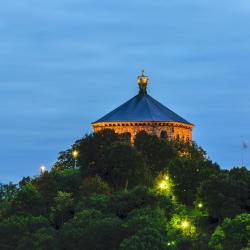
x: 185, y: 224
x: 200, y: 205
x: 42, y: 169
x: 75, y: 153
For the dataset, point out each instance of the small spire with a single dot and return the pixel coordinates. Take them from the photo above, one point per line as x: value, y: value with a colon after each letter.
x: 142, y: 82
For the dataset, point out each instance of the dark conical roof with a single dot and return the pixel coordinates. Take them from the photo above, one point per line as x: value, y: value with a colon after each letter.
x: 142, y: 108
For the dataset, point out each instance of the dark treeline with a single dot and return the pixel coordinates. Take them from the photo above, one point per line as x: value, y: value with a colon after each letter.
x: 152, y: 195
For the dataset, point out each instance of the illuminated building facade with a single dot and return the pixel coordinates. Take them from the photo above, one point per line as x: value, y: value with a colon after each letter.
x: 144, y: 113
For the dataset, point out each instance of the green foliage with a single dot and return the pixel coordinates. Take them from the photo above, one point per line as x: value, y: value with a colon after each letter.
x: 68, y: 180
x: 28, y: 200
x: 24, y: 181
x: 7, y: 191
x: 92, y: 151
x: 106, y: 155
x: 138, y: 219
x: 187, y: 175
x: 146, y: 239
x: 164, y: 184
x: 95, y: 201
x: 47, y: 186
x: 225, y: 195
x: 94, y: 185
x: 93, y: 230
x: 42, y: 239
x: 154, y: 194
x: 146, y: 228
x: 123, y: 203
x: 233, y: 234
x: 7, y: 195
x: 156, y: 152
x: 65, y: 160
x: 124, y: 166
x: 14, y: 228
x: 189, y: 150
x: 62, y: 208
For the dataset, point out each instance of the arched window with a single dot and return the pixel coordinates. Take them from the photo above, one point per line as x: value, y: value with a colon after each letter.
x: 164, y: 135
x: 178, y: 137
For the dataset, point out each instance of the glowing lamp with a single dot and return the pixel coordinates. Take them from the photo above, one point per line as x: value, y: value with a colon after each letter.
x: 200, y: 205
x: 185, y: 224
x: 42, y: 169
x: 75, y: 153
x: 166, y: 177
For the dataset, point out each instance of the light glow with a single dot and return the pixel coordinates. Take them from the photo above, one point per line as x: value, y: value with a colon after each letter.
x: 185, y: 224
x: 162, y: 185
x: 200, y: 205
x: 42, y: 169
x: 166, y: 177
x: 75, y: 153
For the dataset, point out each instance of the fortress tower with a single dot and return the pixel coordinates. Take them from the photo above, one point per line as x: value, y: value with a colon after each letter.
x: 144, y: 113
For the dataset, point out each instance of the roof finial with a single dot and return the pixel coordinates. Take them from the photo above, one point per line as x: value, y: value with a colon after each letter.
x: 142, y: 82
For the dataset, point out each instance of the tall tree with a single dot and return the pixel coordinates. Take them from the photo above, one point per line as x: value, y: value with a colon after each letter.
x: 156, y: 152
x: 233, y: 234
x: 28, y: 200
x: 187, y: 175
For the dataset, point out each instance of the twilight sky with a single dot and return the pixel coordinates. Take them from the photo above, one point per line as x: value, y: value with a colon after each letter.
x: 64, y: 64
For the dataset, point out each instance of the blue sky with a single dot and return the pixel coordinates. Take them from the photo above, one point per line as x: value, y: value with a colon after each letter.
x: 64, y: 64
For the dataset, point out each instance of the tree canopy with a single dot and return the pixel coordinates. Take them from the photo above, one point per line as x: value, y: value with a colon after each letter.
x: 154, y: 194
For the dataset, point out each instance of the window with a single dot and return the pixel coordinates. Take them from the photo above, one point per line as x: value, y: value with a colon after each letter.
x: 164, y: 134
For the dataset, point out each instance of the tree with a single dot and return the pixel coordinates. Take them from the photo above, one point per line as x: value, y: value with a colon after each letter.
x: 7, y: 191
x: 124, y: 167
x: 187, y: 175
x: 100, y: 202
x: 92, y: 148
x: 47, y: 186
x: 146, y: 229
x: 223, y: 195
x: 62, y: 208
x: 42, y: 239
x: 94, y: 185
x: 146, y: 239
x: 68, y: 180
x: 28, y: 200
x: 105, y: 154
x: 14, y: 228
x: 232, y: 234
x: 123, y: 203
x: 7, y: 195
x: 189, y: 150
x: 153, y: 217
x: 24, y: 181
x: 93, y: 230
x: 157, y: 152
x: 242, y: 177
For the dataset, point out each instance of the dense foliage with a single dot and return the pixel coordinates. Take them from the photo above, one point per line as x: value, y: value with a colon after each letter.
x: 152, y: 195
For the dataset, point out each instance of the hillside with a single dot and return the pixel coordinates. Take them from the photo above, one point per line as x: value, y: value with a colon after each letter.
x: 152, y: 195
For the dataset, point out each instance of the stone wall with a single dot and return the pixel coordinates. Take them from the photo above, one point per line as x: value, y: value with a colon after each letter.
x: 167, y: 130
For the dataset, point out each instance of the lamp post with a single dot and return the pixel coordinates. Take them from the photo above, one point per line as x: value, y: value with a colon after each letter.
x: 42, y: 169
x: 75, y: 153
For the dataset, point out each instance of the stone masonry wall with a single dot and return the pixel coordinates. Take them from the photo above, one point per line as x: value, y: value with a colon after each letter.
x: 167, y: 130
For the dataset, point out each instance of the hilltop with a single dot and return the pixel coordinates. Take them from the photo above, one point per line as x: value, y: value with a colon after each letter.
x: 154, y: 194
